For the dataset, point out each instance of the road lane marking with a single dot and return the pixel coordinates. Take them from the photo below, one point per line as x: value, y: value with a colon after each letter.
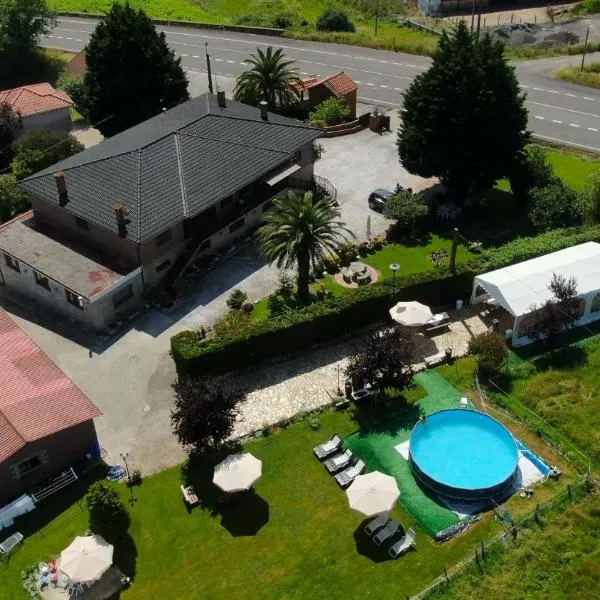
x: 398, y: 89
x: 574, y: 125
x: 557, y: 122
x: 592, y: 129
x: 577, y: 112
x: 370, y: 83
x: 571, y: 95
x: 231, y: 62
x: 539, y: 89
x: 540, y: 118
x: 195, y: 56
x: 383, y: 86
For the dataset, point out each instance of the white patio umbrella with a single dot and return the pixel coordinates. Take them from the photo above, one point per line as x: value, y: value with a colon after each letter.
x: 237, y: 472
x: 411, y: 314
x: 87, y: 558
x: 373, y: 493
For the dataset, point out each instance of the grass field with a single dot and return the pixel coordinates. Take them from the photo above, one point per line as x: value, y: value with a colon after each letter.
x: 590, y: 75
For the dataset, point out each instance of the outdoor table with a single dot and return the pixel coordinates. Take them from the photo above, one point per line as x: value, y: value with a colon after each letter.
x: 357, y: 268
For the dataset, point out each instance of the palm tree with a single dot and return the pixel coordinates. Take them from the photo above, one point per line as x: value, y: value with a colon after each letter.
x: 269, y: 78
x: 300, y: 230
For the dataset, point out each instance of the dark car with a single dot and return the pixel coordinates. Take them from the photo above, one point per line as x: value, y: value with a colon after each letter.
x: 379, y: 198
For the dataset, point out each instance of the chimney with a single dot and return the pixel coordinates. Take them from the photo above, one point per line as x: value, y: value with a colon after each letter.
x: 264, y: 115
x: 121, y: 213
x: 61, y: 188
x: 221, y: 99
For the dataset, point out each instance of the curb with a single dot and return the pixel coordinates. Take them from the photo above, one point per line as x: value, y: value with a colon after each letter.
x: 192, y: 24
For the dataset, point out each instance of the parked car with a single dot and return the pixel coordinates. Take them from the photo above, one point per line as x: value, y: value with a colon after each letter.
x: 378, y: 199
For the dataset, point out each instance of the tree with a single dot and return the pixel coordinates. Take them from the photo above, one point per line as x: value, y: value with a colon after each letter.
x: 236, y: 299
x: 406, y: 208
x: 329, y: 112
x: 589, y: 198
x: 383, y: 360
x: 335, y: 19
x: 545, y: 321
x: 108, y: 516
x: 40, y: 148
x: 205, y: 411
x: 464, y: 119
x: 132, y: 74
x: 10, y: 127
x: 491, y: 352
x: 553, y: 206
x: 22, y: 23
x: 531, y: 169
x: 13, y: 200
x: 300, y: 230
x: 74, y: 86
x: 269, y: 78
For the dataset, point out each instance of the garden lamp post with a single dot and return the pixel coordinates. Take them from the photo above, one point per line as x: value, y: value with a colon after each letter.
x: 394, y: 267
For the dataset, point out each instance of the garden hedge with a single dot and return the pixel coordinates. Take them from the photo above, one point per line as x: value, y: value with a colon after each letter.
x: 358, y: 307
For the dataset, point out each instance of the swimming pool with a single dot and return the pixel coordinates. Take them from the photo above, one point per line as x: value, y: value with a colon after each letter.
x: 462, y: 453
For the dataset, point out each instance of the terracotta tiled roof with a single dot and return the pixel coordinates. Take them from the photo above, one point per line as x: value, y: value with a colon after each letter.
x: 34, y: 99
x: 340, y: 84
x: 77, y: 65
x: 36, y: 398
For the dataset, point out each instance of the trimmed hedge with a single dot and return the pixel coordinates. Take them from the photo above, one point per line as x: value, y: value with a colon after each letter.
x: 256, y: 340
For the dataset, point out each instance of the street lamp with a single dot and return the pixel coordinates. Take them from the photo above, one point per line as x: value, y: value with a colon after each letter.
x: 394, y: 267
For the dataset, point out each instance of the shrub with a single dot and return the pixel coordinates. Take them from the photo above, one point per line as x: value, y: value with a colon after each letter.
x: 491, y: 352
x: 135, y: 478
x: 236, y: 299
x: 530, y: 170
x: 74, y: 86
x: 286, y: 284
x: 283, y: 20
x: 406, y: 208
x: 335, y: 19
x: 552, y: 206
x: 589, y: 198
x: 247, y: 307
x: 347, y: 251
x: 329, y: 112
x: 204, y: 411
x: 108, y: 516
x: 331, y: 264
x: 364, y: 249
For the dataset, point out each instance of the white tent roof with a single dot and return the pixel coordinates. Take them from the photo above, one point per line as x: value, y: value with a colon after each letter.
x: 518, y: 287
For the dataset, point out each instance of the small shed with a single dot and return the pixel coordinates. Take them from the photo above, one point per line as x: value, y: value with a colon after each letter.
x: 339, y: 85
x: 519, y: 287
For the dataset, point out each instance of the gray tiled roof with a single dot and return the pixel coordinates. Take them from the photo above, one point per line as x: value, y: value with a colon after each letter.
x: 173, y: 166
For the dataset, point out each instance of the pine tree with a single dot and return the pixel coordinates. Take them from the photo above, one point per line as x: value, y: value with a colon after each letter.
x: 464, y: 119
x: 132, y: 73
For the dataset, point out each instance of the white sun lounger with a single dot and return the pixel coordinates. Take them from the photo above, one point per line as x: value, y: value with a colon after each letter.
x: 10, y: 542
x: 387, y: 532
x: 328, y: 448
x: 337, y: 463
x: 377, y: 523
x: 404, y: 544
x: 345, y: 478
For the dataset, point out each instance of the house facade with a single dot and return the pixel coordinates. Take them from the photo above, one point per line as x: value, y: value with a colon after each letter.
x: 338, y: 85
x: 46, y: 422
x: 40, y: 106
x: 114, y: 222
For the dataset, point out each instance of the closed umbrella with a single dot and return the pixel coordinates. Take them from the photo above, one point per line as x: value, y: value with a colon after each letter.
x: 411, y: 314
x: 238, y: 472
x: 373, y: 493
x: 87, y: 558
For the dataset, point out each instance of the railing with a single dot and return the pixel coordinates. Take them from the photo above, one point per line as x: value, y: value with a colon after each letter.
x: 317, y: 184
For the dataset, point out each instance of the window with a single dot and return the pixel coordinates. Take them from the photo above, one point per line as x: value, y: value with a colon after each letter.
x: 29, y: 465
x: 41, y: 280
x: 237, y: 225
x: 163, y: 266
x: 82, y: 224
x: 13, y: 263
x: 122, y: 295
x: 163, y: 238
x: 74, y: 299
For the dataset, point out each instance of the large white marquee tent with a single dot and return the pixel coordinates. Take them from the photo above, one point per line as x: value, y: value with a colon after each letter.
x: 519, y: 287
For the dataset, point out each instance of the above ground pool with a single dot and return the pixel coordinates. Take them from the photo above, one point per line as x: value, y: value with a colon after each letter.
x: 462, y: 453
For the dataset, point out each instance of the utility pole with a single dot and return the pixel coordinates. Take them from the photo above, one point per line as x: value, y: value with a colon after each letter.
x: 453, y: 251
x: 585, y: 48
x: 210, y: 84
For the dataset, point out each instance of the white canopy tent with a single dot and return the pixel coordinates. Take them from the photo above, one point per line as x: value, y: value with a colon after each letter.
x: 519, y: 287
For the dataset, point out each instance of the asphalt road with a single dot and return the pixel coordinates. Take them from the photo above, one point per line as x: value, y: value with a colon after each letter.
x: 558, y: 111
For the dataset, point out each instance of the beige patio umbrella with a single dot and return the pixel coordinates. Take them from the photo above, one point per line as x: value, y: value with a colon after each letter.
x: 411, y: 314
x: 238, y: 472
x: 87, y: 558
x: 373, y: 493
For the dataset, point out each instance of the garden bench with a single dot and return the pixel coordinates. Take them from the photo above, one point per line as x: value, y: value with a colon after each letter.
x: 189, y: 495
x: 435, y: 359
x: 440, y: 326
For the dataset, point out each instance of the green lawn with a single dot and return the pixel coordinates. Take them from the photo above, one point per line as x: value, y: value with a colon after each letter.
x: 572, y: 167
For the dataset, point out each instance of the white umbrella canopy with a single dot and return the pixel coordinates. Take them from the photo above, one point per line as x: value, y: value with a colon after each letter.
x: 411, y: 314
x: 87, y: 558
x: 238, y: 472
x: 373, y: 493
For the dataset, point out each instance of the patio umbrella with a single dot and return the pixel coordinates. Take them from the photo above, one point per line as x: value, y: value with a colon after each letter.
x: 411, y: 314
x: 237, y: 472
x: 373, y: 493
x: 87, y: 558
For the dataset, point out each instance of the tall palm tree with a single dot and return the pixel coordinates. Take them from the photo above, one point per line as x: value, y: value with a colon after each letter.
x: 269, y: 78
x: 300, y: 230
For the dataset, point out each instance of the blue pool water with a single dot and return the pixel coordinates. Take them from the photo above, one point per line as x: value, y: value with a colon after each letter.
x: 463, y: 453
